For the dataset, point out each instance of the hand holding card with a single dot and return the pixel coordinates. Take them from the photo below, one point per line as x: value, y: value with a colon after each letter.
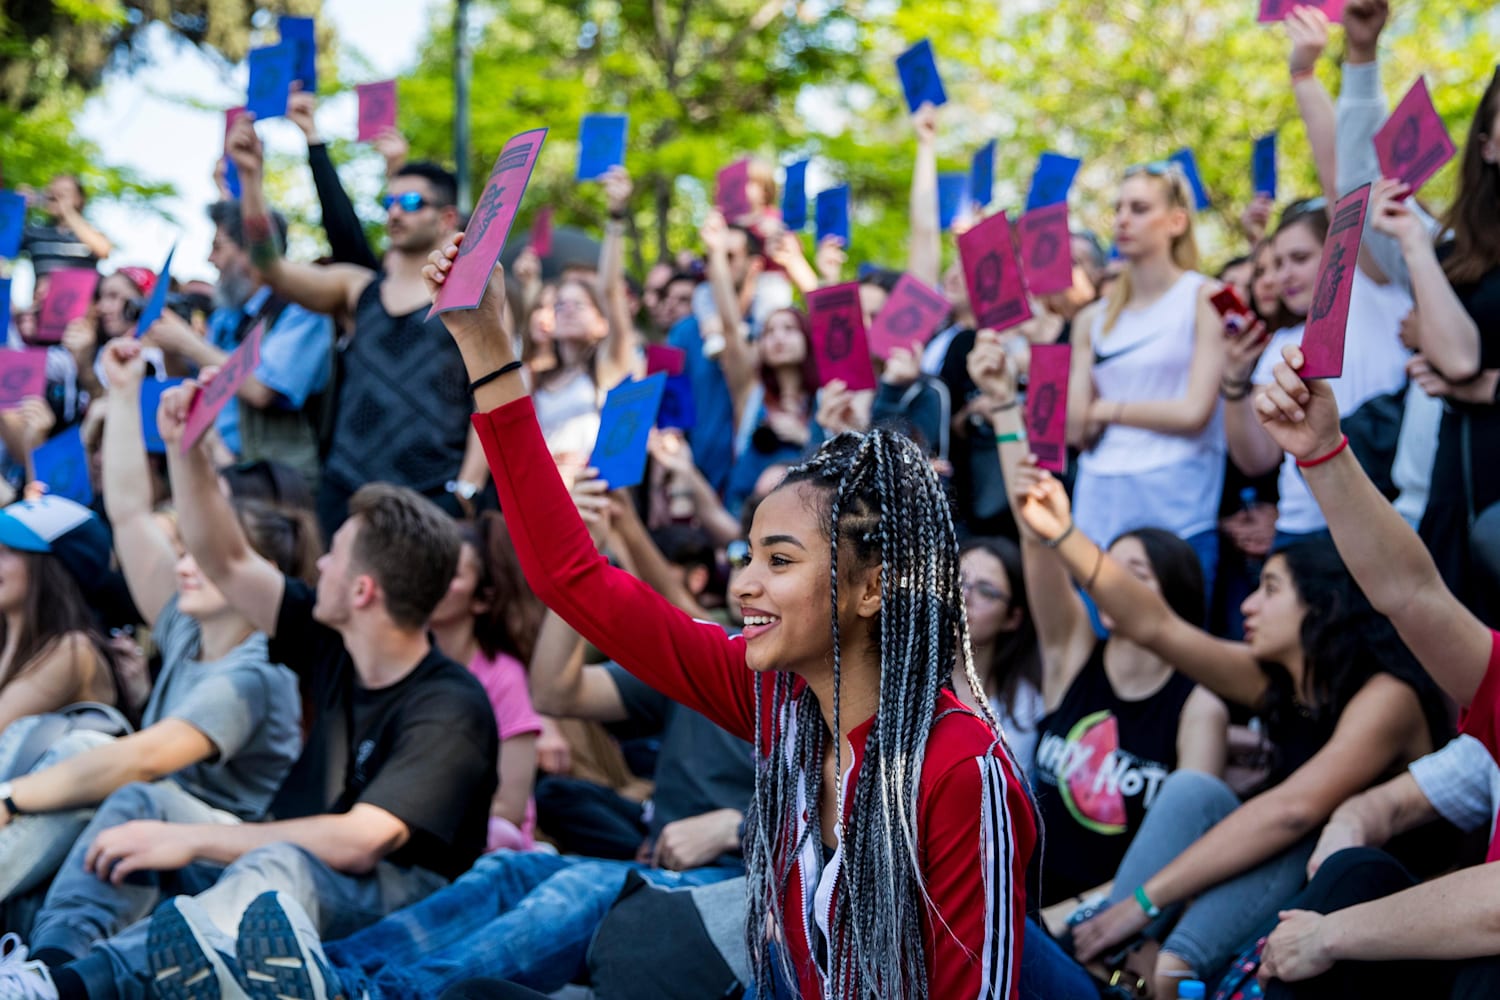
x: 215, y: 395
x: 992, y: 272
x: 70, y: 292
x: 1414, y: 143
x: 1047, y: 405
x: 23, y: 373
x: 839, y: 342
x: 625, y: 425
x: 911, y: 314
x: 917, y: 67
x: 1328, y: 321
x: 1047, y: 249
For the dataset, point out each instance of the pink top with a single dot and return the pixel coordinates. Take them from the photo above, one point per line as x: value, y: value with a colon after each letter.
x: 504, y: 681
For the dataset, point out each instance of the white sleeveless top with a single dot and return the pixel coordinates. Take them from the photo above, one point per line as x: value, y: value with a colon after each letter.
x: 1148, y: 356
x: 568, y: 412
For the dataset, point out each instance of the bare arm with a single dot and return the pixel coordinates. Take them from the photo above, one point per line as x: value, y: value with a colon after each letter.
x: 517, y: 774
x: 1250, y: 447
x: 1450, y: 337
x: 1203, y: 734
x: 616, y: 356
x: 172, y: 334
x: 146, y: 556
x: 49, y: 680
x: 90, y: 777
x: 650, y: 565
x: 1383, y: 554
x: 1307, y: 27
x: 98, y: 244
x: 1081, y: 394
x: 562, y: 686
x: 210, y: 530
x: 737, y: 359
x: 925, y: 253
x: 1190, y: 413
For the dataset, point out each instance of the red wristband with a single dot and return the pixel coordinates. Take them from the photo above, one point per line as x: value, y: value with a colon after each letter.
x: 1298, y: 75
x: 1324, y: 458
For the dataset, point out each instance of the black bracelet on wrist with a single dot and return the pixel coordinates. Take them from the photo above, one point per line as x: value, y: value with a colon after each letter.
x: 618, y: 216
x: 1234, y: 391
x: 485, y: 380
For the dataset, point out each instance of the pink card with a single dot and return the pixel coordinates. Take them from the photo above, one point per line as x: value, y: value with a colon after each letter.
x: 377, y: 108
x: 1277, y: 10
x: 231, y: 116
x: 1413, y: 144
x: 838, y: 336
x: 22, y: 373
x: 1047, y: 405
x: 993, y: 274
x: 490, y: 224
x: 213, y: 397
x: 662, y: 358
x: 1047, y: 249
x: 69, y: 295
x: 1323, y: 338
x: 732, y: 196
x: 910, y: 315
x: 541, y: 232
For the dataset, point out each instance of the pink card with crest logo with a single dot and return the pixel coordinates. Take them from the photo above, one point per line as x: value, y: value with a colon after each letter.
x: 1328, y: 320
x: 992, y: 271
x: 910, y: 315
x: 22, y: 373
x: 377, y: 108
x: 838, y: 336
x: 1047, y: 405
x: 1047, y: 249
x: 215, y: 395
x: 1413, y: 144
x: 70, y: 292
x: 490, y: 224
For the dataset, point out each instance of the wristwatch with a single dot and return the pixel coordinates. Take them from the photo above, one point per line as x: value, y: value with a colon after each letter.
x: 6, y: 801
x: 463, y: 489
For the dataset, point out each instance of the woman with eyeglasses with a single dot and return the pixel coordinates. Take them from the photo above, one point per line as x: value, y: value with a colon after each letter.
x: 222, y: 724
x: 1142, y: 401
x: 1117, y: 718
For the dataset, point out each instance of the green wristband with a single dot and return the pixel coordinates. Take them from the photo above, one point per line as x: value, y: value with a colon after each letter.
x: 1014, y: 437
x: 1152, y: 910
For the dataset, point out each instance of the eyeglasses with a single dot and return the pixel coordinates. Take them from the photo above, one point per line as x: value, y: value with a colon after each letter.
x: 569, y: 305
x: 1157, y: 168
x: 411, y: 201
x: 738, y: 553
x: 988, y: 591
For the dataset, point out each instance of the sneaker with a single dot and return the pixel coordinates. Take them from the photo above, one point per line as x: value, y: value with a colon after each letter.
x: 281, y: 953
x: 20, y: 978
x: 191, y: 959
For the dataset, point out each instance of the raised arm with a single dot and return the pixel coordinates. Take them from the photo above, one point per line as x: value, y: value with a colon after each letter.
x: 333, y: 290
x: 1191, y: 412
x: 1062, y: 622
x: 924, y: 258
x: 1385, y: 557
x: 210, y: 530
x: 1140, y: 614
x: 617, y: 355
x: 1082, y: 431
x: 346, y: 235
x: 561, y: 685
x: 146, y: 556
x: 1307, y: 27
x: 738, y: 358
x: 692, y: 662
x: 670, y: 450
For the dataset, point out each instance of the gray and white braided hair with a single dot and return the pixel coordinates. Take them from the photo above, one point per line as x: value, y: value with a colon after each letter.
x: 885, y: 507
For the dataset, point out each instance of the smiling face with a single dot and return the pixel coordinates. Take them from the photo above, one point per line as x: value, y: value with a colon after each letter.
x: 783, y: 589
x: 1273, y: 616
x: 1298, y: 252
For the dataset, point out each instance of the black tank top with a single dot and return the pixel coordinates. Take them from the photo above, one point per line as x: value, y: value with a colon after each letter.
x: 403, y: 402
x: 1100, y: 761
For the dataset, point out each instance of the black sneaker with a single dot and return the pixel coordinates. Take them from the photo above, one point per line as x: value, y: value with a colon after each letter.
x: 191, y: 959
x: 281, y: 954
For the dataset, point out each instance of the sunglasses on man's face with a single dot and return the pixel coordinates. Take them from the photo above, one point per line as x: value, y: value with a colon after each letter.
x: 411, y: 201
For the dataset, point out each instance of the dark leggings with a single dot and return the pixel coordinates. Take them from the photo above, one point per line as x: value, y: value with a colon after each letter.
x: 1359, y: 875
x: 491, y: 989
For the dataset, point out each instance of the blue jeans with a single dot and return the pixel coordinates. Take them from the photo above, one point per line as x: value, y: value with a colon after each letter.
x: 523, y: 917
x: 1048, y: 972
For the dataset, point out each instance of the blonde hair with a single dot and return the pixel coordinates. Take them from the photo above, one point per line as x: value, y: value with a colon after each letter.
x: 1184, y: 246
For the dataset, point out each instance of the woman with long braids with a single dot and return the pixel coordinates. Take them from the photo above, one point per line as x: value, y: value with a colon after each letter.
x: 888, y: 838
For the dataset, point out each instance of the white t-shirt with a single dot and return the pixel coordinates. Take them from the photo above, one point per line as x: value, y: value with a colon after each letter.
x: 1374, y: 364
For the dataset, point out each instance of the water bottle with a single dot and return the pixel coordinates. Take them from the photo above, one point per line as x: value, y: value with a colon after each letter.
x: 1191, y: 989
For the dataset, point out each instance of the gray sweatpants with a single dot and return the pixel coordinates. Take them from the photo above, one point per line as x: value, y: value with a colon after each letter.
x: 1210, y: 930
x: 107, y: 925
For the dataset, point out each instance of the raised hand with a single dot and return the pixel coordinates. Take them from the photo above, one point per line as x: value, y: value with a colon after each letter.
x: 1391, y: 215
x: 1242, y: 350
x: 1044, y: 505
x: 830, y: 259
x: 485, y: 320
x: 1364, y: 20
x: 714, y: 232
x: 902, y: 368
x: 591, y: 497
x: 171, y: 413
x: 393, y: 148
x: 123, y: 364
x: 990, y: 368
x: 1302, y: 417
x: 1256, y: 217
x: 924, y: 121
x: 1307, y: 27
x: 244, y: 148
x: 836, y: 412
x: 301, y: 108
x: 617, y: 189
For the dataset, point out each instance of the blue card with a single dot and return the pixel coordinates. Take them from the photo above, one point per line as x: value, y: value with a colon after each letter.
x: 1189, y: 163
x: 833, y: 214
x: 1263, y: 166
x: 919, y: 76
x: 272, y: 70
x: 794, y: 196
x: 982, y: 175
x: 12, y: 223
x: 601, y: 145
x: 1051, y: 181
x: 63, y: 466
x: 151, y: 390
x: 678, y: 410
x: 154, y: 305
x: 952, y: 190
x: 231, y: 178
x: 5, y: 305
x: 625, y: 425
x: 303, y: 32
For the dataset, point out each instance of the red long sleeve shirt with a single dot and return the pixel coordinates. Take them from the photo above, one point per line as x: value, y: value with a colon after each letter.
x: 975, y: 827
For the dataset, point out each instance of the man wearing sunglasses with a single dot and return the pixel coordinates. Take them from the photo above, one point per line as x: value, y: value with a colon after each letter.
x: 401, y: 408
